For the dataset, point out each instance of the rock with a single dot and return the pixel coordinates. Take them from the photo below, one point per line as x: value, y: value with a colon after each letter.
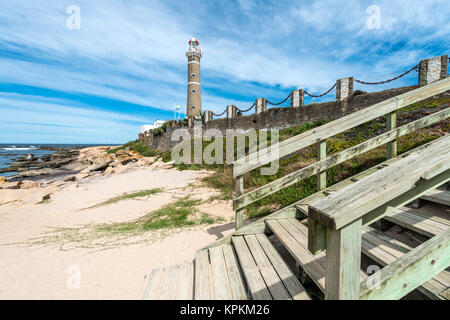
x: 109, y: 170
x: 46, y: 197
x: 71, y: 178
x: 8, y: 196
x: 10, y: 185
x: 2, y: 180
x: 98, y: 166
x: 121, y: 152
x: 124, y: 159
x: 28, y: 184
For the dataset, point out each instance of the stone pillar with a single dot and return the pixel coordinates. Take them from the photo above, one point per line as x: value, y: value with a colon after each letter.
x: 207, y: 116
x: 432, y: 69
x: 297, y: 98
x: 344, y: 88
x: 231, y: 111
x: 260, y: 105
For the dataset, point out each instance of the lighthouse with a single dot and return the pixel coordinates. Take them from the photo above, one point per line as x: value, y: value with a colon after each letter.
x: 194, y: 99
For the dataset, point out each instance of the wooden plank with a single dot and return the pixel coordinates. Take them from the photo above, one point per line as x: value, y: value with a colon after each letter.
x: 333, y: 160
x: 385, y: 250
x: 410, y: 271
x: 391, y: 124
x: 238, y: 190
x: 170, y: 283
x: 271, y: 278
x: 438, y: 196
x: 288, y: 146
x: 221, y: 290
x: 185, y: 282
x: 237, y: 287
x: 203, y: 290
x: 306, y: 259
x: 316, y: 236
x: 413, y: 220
x: 290, y: 281
x: 321, y: 154
x: 255, y: 282
x: 343, y: 262
x: 354, y: 201
x: 154, y: 285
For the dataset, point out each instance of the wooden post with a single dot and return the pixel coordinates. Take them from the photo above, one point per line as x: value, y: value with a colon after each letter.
x: 343, y: 262
x: 238, y: 190
x: 322, y: 154
x: 391, y: 123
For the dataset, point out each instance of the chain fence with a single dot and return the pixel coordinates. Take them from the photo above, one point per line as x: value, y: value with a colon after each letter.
x: 415, y: 68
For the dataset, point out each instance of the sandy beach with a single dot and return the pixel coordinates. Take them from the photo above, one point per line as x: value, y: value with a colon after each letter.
x: 36, y: 265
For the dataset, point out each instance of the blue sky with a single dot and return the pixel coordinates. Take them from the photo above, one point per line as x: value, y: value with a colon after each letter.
x: 126, y: 66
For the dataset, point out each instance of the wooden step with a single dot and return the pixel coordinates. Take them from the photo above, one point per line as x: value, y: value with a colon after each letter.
x: 172, y: 283
x: 438, y: 196
x: 266, y: 274
x: 294, y: 236
x: 217, y: 275
x: 385, y: 250
x: 413, y: 220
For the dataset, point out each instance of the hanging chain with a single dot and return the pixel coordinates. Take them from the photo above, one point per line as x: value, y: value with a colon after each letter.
x: 320, y: 95
x: 416, y: 68
x: 277, y: 104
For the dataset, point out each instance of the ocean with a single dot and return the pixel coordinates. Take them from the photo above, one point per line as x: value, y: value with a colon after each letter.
x: 10, y: 152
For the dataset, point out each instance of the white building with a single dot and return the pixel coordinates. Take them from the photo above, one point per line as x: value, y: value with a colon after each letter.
x: 147, y: 127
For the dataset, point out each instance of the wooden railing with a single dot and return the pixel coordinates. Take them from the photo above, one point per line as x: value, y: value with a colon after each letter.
x: 319, y: 135
x: 343, y: 214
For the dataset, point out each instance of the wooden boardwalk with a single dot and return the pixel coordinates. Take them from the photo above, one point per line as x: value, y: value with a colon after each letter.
x: 328, y: 233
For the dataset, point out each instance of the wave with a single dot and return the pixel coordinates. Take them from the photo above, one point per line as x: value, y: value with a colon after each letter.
x: 18, y: 149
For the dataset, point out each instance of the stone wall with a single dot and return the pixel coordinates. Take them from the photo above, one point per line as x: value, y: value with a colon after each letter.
x: 279, y: 118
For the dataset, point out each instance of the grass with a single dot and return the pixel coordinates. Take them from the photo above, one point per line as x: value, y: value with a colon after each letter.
x: 179, y: 214
x: 182, y: 213
x: 127, y: 196
x: 139, y: 147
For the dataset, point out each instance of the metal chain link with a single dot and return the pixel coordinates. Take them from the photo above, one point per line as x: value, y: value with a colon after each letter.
x: 416, y: 68
x: 218, y: 115
x: 277, y: 104
x: 247, y: 109
x: 320, y: 95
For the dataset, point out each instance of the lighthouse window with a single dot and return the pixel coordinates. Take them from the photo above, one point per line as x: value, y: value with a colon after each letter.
x: 193, y: 75
x: 193, y: 90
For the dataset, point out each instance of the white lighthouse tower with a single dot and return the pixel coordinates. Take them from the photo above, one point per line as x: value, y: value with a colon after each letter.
x: 194, y: 99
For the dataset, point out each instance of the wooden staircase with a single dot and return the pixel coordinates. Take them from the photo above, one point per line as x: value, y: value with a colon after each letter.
x: 334, y: 227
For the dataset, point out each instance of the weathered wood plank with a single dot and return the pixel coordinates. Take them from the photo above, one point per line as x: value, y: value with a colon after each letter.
x: 185, y: 282
x: 410, y: 271
x: 438, y: 196
x: 239, y: 214
x: 356, y: 200
x: 322, y: 175
x: 271, y: 278
x: 343, y: 262
x: 237, y: 287
x: 170, y: 283
x: 413, y: 220
x: 310, y: 263
x: 154, y: 285
x: 317, y: 235
x: 203, y: 290
x: 255, y: 282
x: 391, y: 123
x: 385, y: 250
x: 333, y: 160
x: 288, y: 146
x: 219, y: 276
x: 292, y: 284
